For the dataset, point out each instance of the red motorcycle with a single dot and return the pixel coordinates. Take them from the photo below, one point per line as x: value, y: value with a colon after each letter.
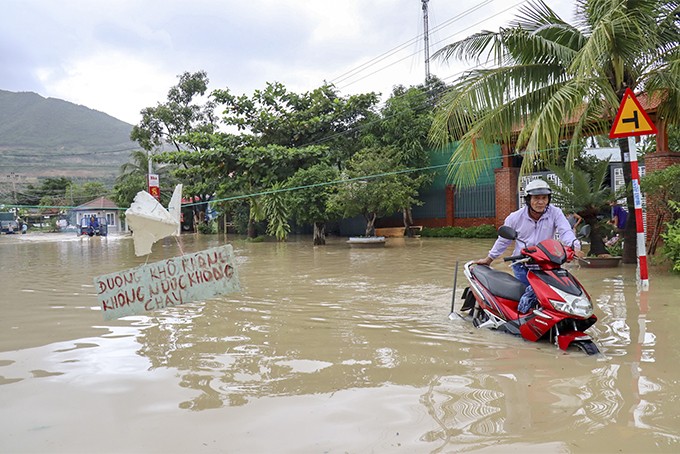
x: 564, y: 309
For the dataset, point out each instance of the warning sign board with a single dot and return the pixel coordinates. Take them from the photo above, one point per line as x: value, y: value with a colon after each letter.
x: 178, y: 280
x: 631, y: 120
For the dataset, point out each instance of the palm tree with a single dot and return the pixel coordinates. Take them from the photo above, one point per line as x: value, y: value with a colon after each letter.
x: 549, y: 79
x: 139, y: 165
x: 585, y: 193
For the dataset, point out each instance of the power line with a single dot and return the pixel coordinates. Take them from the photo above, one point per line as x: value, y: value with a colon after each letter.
x: 448, y: 37
x: 408, y: 43
x: 60, y: 155
x: 274, y: 191
x: 340, y: 78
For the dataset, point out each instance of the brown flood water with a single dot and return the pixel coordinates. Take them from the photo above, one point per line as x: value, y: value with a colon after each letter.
x: 326, y: 350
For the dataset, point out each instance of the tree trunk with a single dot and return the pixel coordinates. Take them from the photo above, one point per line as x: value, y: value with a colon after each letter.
x: 251, y: 228
x: 408, y: 217
x: 319, y: 233
x: 597, y: 246
x: 630, y: 232
x: 656, y: 233
x: 408, y: 220
x: 370, y: 223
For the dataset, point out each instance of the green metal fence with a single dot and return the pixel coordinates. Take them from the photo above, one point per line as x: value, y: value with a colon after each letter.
x: 475, y: 202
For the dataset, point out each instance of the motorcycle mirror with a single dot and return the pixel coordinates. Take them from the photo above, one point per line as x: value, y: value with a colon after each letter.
x: 508, y: 232
x: 584, y: 232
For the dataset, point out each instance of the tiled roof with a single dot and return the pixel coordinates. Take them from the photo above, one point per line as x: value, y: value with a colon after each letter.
x: 101, y: 202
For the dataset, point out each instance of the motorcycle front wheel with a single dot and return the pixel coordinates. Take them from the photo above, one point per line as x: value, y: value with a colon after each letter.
x: 586, y: 346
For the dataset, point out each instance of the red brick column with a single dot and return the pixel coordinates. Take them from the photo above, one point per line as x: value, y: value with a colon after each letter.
x: 506, y: 192
x: 657, y: 161
x: 450, y: 204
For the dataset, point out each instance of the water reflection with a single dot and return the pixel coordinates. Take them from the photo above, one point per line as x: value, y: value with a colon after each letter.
x: 333, y: 338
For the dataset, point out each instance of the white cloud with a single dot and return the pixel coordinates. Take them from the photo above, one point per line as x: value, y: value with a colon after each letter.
x: 122, y: 56
x: 115, y: 83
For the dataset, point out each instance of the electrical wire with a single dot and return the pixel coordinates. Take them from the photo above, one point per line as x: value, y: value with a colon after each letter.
x: 448, y: 37
x: 275, y: 191
x: 406, y: 44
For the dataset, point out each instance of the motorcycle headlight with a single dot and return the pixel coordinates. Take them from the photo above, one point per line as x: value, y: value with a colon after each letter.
x: 578, y: 305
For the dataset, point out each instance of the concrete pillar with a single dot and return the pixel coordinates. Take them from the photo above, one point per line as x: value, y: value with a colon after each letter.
x: 506, y: 192
x: 450, y: 204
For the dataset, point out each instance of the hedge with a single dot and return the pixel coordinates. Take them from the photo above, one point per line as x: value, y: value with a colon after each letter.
x: 483, y: 231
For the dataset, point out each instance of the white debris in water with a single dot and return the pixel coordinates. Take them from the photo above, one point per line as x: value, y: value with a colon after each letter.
x: 150, y: 222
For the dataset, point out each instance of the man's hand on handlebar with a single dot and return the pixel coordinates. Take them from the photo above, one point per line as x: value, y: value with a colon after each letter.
x: 579, y: 253
x: 486, y: 261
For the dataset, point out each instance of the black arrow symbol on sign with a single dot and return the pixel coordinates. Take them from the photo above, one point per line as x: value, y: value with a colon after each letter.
x: 632, y: 120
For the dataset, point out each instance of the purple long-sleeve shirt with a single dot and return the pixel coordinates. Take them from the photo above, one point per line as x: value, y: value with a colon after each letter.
x: 533, y: 232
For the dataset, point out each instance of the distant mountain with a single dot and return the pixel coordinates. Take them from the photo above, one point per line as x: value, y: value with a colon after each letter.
x: 48, y: 137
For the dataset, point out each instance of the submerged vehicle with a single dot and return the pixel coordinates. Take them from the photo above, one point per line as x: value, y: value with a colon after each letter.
x: 96, y: 227
x: 564, y: 310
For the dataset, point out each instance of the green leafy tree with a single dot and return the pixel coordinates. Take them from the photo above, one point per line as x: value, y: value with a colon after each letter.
x: 373, y: 189
x: 403, y: 126
x: 585, y: 193
x: 277, y: 212
x: 671, y: 239
x: 551, y: 79
x: 309, y: 203
x: 279, y: 132
x: 179, y: 116
x: 276, y: 116
x: 175, y: 123
x: 51, y: 187
x: 49, y: 202
x: 260, y: 169
x: 77, y: 195
x: 125, y: 191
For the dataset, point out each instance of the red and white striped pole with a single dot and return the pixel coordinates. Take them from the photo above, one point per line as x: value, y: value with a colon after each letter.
x: 637, y: 198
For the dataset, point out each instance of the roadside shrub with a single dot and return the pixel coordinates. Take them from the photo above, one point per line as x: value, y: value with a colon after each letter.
x: 671, y: 241
x: 483, y: 231
x: 207, y: 228
x: 486, y: 231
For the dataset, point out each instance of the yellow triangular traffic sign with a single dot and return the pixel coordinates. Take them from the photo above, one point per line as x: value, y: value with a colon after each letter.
x: 631, y: 120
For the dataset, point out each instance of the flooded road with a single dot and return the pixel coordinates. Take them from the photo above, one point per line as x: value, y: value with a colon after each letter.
x: 325, y: 350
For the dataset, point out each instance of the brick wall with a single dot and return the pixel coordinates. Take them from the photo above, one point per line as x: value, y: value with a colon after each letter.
x: 506, y: 193
x: 450, y: 204
x: 435, y: 223
x: 473, y: 222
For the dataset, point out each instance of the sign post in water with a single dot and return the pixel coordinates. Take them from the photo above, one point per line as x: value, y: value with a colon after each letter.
x: 631, y: 121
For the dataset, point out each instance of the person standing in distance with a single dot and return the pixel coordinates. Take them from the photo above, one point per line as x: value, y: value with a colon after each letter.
x: 619, y: 217
x: 535, y: 222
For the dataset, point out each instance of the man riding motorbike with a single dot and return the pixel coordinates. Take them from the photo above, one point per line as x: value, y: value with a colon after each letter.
x: 535, y: 222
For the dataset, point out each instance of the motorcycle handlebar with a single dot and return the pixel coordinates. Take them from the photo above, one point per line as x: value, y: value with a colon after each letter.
x: 513, y: 258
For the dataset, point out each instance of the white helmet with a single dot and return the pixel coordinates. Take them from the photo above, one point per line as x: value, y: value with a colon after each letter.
x: 537, y: 187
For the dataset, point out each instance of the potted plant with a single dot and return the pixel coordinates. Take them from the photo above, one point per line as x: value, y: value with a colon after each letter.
x: 585, y: 193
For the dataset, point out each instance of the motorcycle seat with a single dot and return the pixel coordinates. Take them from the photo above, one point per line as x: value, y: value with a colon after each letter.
x: 499, y: 283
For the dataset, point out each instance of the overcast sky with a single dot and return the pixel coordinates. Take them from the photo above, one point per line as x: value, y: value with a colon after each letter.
x: 120, y: 56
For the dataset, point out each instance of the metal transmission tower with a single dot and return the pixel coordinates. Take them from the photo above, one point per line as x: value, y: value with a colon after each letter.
x: 426, y: 33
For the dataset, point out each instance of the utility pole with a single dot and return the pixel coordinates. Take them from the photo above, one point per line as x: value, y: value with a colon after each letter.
x: 426, y: 33
x: 13, y: 177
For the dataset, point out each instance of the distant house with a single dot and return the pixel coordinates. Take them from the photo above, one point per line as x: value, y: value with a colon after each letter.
x: 102, y: 207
